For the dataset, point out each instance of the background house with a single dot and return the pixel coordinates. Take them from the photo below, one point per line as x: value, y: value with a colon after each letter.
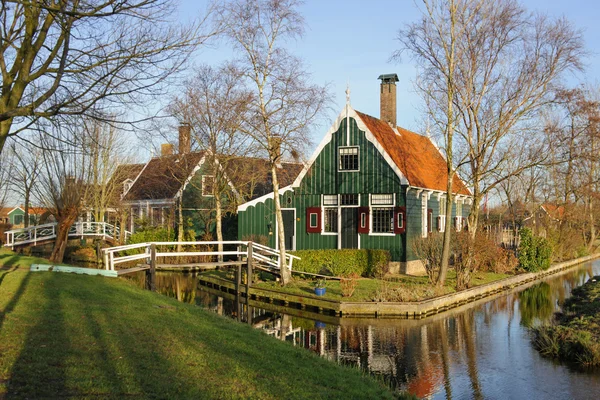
x: 369, y: 184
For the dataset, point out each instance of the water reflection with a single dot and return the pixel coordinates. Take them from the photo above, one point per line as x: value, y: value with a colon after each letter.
x: 477, y: 351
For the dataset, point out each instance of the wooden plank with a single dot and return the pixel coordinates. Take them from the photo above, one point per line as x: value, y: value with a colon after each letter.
x: 207, y: 264
x: 133, y: 269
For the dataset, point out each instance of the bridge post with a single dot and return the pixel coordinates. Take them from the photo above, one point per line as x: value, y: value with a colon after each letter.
x: 249, y: 270
x: 151, y: 273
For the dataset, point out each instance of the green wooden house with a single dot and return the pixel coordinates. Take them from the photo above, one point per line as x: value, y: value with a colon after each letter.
x: 153, y: 193
x: 369, y: 185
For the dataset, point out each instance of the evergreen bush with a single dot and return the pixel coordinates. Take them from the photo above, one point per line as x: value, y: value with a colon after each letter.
x: 364, y: 262
x: 534, y: 252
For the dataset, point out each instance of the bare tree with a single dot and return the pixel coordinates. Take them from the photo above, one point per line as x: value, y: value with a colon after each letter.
x: 63, y: 181
x: 496, y: 63
x: 106, y: 149
x: 284, y: 104
x: 511, y: 59
x: 433, y: 43
x: 25, y: 174
x: 90, y: 57
x: 214, y: 105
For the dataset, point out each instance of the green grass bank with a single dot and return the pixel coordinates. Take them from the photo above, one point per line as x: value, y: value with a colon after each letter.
x: 576, y: 335
x: 64, y: 335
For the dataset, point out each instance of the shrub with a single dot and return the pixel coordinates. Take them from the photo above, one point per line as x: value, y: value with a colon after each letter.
x: 348, y: 284
x: 534, y: 252
x: 429, y: 251
x: 151, y: 235
x: 363, y: 262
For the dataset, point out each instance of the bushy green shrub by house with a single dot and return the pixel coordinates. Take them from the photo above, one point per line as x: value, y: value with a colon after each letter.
x: 343, y: 262
x: 534, y: 252
x: 149, y: 234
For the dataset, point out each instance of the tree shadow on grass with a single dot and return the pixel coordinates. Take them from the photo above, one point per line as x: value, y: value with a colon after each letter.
x: 83, y: 346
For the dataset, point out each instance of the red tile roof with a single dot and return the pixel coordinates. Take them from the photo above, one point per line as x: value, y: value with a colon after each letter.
x: 415, y: 155
x: 554, y: 211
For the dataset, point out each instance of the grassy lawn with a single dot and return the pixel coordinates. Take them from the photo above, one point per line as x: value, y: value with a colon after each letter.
x: 64, y: 335
x: 576, y: 336
x: 392, y: 288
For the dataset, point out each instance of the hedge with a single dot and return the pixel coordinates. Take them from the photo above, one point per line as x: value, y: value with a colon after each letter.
x: 365, y: 262
x: 534, y: 252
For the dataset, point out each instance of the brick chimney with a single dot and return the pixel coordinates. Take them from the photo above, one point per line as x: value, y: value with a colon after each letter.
x: 166, y: 149
x: 387, y: 101
x: 185, y: 130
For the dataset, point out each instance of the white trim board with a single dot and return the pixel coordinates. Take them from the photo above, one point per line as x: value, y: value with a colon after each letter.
x: 370, y: 137
x: 263, y: 198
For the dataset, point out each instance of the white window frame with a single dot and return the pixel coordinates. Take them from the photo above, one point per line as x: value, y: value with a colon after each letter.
x: 459, y: 217
x: 442, y: 213
x: 339, y: 154
x: 204, y: 194
x: 310, y: 225
x: 335, y: 206
x: 372, y: 206
x: 127, y: 184
x: 424, y: 216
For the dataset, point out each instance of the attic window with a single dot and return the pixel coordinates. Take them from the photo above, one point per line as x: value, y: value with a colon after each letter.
x: 349, y: 158
x: 127, y: 185
x: 207, y: 185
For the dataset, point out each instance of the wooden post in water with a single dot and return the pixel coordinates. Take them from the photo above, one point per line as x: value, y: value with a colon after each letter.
x: 238, y: 287
x: 151, y: 273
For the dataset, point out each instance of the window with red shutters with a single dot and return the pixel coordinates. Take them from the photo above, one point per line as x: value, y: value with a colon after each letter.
x: 363, y: 219
x: 399, y: 220
x: 313, y: 220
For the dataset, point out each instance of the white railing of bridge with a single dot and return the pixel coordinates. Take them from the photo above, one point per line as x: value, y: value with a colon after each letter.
x: 263, y: 255
x: 39, y: 233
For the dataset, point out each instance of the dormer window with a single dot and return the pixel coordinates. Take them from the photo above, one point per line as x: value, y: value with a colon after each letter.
x: 348, y: 159
x: 127, y: 185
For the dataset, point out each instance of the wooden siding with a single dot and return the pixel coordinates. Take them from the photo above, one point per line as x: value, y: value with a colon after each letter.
x: 374, y: 176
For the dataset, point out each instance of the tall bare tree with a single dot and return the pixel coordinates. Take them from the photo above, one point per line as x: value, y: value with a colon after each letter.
x: 106, y: 148
x: 64, y: 180
x: 497, y: 63
x: 433, y: 44
x: 214, y: 104
x: 62, y: 57
x: 284, y: 104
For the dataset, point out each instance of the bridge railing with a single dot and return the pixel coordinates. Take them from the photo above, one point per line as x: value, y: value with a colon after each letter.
x: 39, y: 233
x: 264, y: 255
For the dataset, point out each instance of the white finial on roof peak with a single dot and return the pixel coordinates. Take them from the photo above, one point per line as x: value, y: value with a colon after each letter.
x: 348, y: 93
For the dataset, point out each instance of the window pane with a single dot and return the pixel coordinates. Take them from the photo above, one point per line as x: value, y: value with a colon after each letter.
x: 349, y: 199
x: 382, y: 199
x: 383, y: 220
x: 330, y: 200
x: 313, y: 220
x: 331, y: 217
x: 348, y: 158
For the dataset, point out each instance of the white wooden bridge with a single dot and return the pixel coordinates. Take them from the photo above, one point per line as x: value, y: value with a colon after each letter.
x: 141, y: 256
x: 40, y: 234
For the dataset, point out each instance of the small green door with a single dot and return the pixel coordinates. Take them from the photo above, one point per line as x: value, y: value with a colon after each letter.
x: 289, y: 228
x: 349, y: 228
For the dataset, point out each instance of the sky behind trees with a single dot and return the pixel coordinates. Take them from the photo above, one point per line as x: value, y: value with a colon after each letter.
x: 351, y: 41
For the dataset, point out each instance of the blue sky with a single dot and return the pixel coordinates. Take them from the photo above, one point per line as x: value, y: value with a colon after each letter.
x: 352, y: 41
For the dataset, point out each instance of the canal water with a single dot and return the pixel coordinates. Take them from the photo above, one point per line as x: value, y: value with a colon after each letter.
x: 478, y: 351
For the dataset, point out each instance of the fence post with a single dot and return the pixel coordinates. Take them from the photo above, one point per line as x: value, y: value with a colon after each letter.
x: 106, y: 266
x: 249, y: 271
x: 151, y: 273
